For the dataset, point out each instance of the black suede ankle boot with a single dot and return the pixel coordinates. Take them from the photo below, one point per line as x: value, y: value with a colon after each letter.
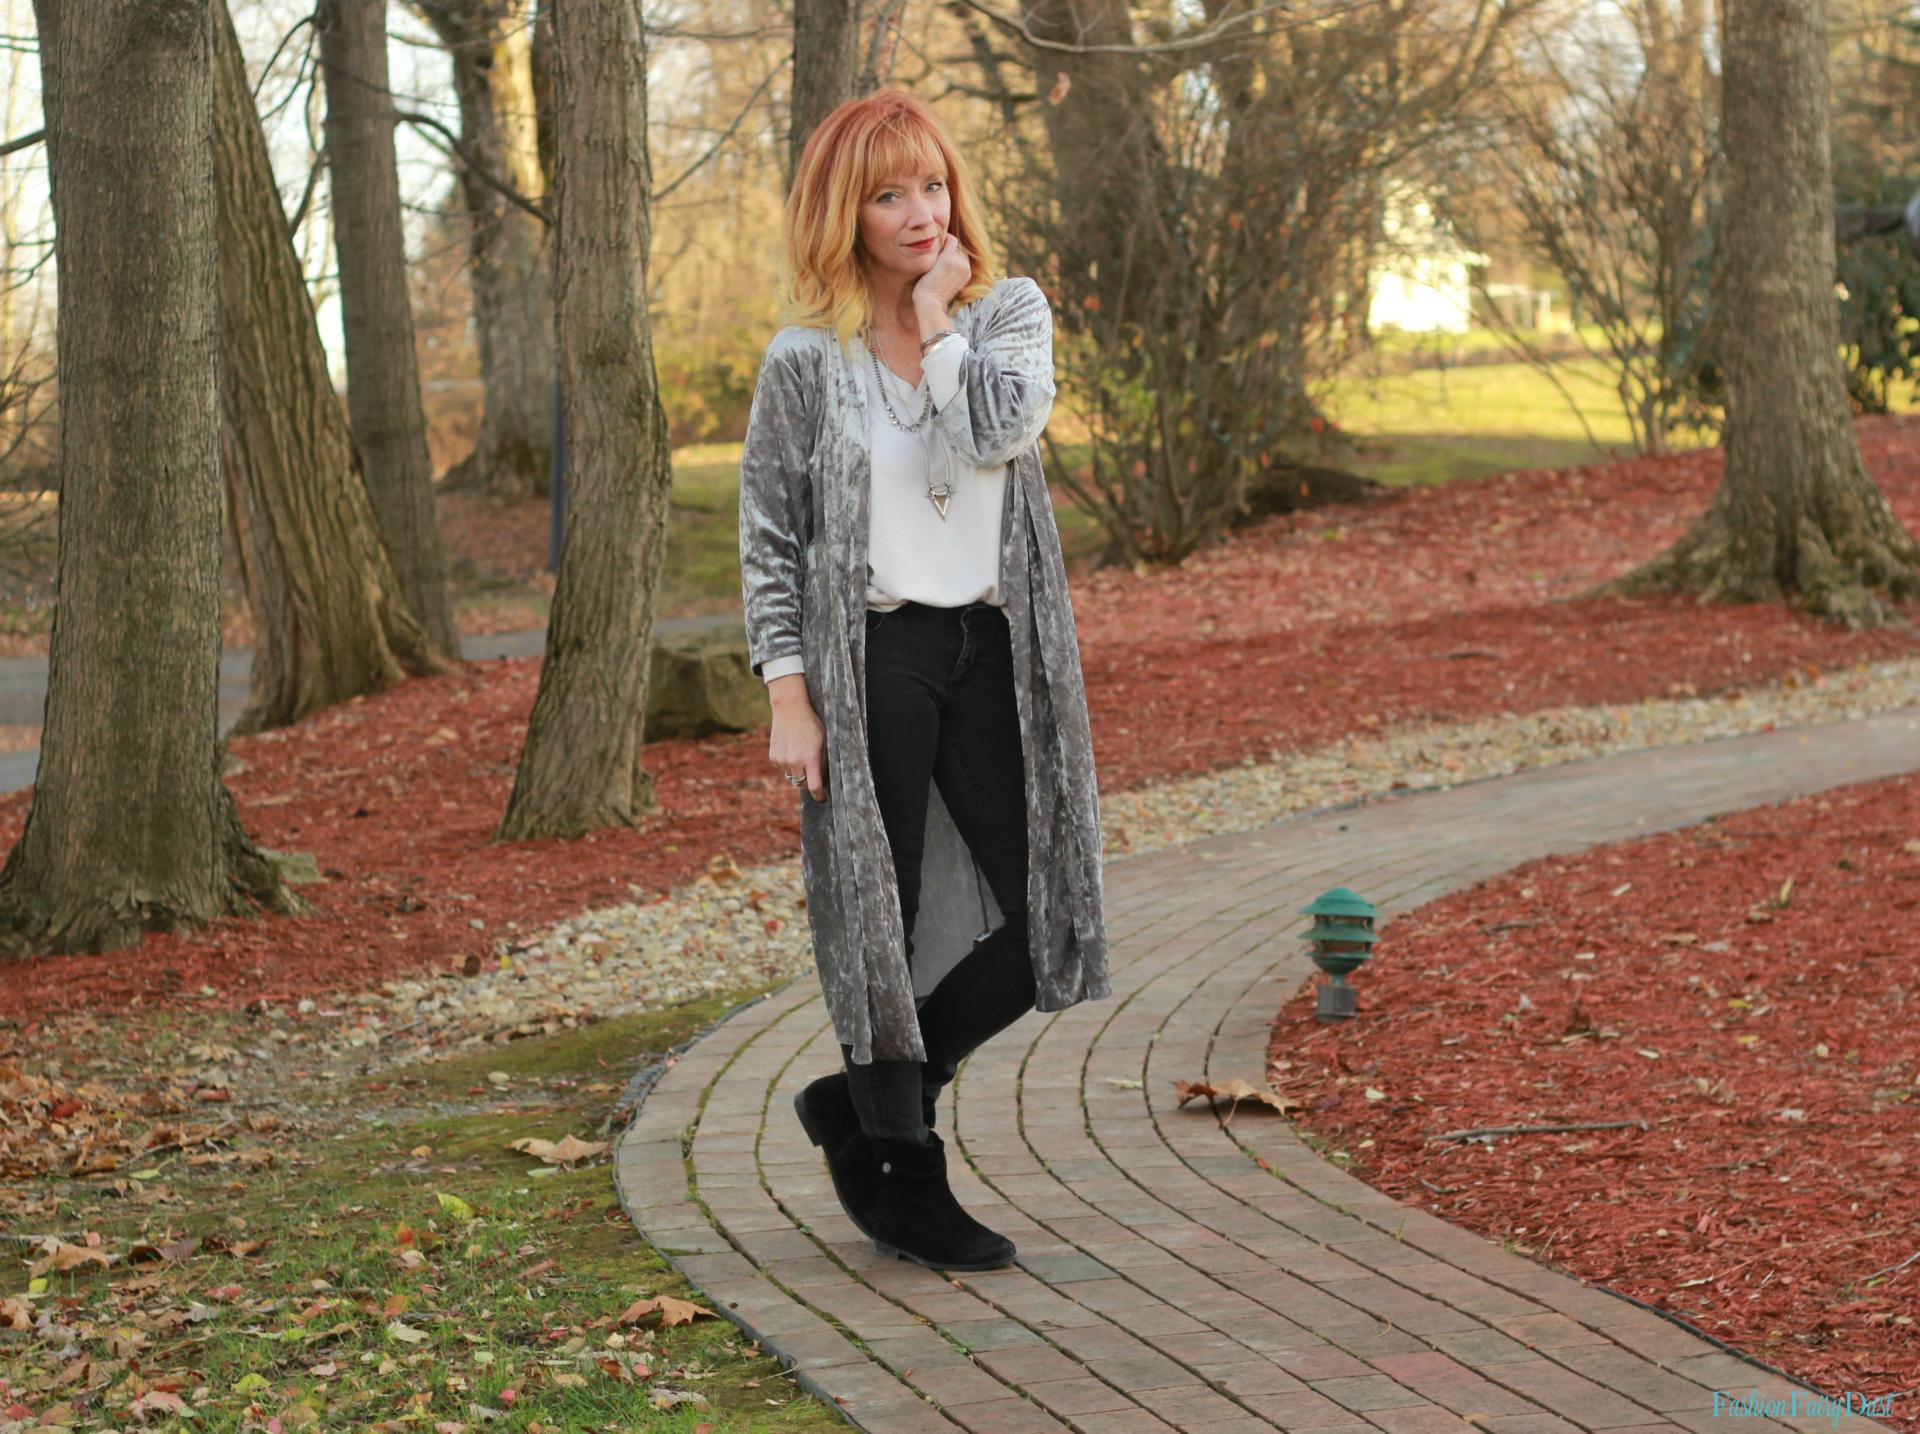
x: 917, y: 1217
x: 828, y: 1116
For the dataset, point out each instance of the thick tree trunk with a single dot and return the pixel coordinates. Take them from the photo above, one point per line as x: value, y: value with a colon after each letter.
x: 826, y: 68
x: 383, y: 371
x: 330, y: 619
x: 131, y: 828
x: 1108, y: 163
x: 1795, y: 515
x: 492, y: 54
x: 580, y: 768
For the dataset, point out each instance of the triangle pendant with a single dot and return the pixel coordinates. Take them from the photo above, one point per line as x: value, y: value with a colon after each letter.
x: 939, y: 497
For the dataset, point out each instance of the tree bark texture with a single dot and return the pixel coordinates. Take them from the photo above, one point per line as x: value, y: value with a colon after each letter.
x: 580, y: 768
x: 330, y: 618
x: 131, y: 828
x: 383, y: 370
x: 826, y: 68
x: 492, y: 54
x: 1795, y: 514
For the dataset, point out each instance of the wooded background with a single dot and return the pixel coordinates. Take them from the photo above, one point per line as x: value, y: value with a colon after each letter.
x: 590, y: 202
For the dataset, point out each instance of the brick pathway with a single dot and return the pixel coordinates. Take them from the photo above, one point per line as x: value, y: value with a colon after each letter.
x: 1165, y: 1280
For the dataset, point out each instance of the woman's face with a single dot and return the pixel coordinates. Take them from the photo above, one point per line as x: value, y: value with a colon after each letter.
x: 903, y: 221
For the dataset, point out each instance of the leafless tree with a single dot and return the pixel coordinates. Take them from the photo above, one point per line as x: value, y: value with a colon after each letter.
x: 1795, y: 514
x: 330, y: 618
x: 131, y: 828
x: 826, y: 67
x: 498, y: 157
x: 581, y: 766
x: 1194, y: 215
x: 383, y: 371
x: 1602, y: 150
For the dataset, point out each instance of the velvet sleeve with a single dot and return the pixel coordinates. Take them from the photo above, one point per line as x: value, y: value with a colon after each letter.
x: 1005, y: 379
x: 776, y: 505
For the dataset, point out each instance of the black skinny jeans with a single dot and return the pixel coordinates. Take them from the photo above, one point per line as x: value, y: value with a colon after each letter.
x: 940, y: 704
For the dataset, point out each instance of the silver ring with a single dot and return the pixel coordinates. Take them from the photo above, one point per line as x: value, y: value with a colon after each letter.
x: 799, y: 780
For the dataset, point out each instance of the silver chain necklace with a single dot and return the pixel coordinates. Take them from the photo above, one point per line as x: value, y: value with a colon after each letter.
x: 938, y: 496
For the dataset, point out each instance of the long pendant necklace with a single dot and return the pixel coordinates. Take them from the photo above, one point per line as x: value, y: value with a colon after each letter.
x: 938, y: 496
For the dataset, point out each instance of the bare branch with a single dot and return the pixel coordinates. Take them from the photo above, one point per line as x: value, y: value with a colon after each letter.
x: 457, y: 148
x: 1211, y: 35
x: 726, y: 133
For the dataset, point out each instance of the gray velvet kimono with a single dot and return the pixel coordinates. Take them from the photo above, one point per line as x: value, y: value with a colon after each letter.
x: 804, y: 482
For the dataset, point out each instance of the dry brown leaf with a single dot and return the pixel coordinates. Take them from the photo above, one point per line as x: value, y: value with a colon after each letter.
x: 173, y: 1253
x: 562, y: 1152
x: 62, y: 1256
x: 670, y: 1310
x: 1235, y: 1090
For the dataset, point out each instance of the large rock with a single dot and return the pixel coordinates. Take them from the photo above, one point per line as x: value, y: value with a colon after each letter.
x: 702, y: 683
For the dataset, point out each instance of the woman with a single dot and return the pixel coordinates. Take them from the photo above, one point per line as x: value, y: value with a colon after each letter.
x: 906, y: 603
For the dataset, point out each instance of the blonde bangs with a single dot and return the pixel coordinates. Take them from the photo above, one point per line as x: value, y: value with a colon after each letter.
x: 896, y: 148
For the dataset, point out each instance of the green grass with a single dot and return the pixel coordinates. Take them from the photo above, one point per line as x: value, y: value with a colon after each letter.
x: 1427, y: 347
x: 1439, y: 425
x: 374, y: 1303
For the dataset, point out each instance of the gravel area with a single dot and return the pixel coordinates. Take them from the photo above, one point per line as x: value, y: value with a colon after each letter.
x: 734, y: 928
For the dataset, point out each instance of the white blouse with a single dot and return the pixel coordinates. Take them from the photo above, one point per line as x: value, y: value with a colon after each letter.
x: 913, y: 554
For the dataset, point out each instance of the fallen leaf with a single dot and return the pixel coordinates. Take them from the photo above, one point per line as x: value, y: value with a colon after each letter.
x: 562, y: 1152
x: 1235, y: 1090
x: 670, y: 1310
x: 667, y: 1398
x: 59, y: 1255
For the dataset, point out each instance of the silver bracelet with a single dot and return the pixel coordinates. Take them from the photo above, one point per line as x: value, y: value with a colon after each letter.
x: 928, y: 343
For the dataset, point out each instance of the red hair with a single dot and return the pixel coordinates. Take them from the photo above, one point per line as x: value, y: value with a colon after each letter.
x: 850, y: 153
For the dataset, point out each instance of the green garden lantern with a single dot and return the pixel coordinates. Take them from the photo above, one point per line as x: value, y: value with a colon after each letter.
x: 1342, y: 938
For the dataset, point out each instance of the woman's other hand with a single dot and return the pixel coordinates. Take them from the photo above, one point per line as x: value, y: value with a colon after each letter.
x: 799, y: 742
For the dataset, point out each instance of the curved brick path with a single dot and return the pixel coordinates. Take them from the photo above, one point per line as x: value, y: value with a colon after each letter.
x: 1165, y: 1280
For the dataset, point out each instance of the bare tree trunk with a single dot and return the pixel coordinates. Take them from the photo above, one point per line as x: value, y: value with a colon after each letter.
x: 131, y: 828
x: 383, y: 371
x: 1795, y: 514
x: 826, y: 68
x: 493, y: 75
x: 1108, y: 162
x: 580, y: 768
x: 331, y: 621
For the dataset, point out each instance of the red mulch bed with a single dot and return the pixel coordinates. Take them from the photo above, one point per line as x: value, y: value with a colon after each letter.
x: 1439, y: 604
x: 1764, y: 1033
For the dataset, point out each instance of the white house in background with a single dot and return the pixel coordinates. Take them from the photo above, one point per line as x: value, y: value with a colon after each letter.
x: 1421, y: 282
